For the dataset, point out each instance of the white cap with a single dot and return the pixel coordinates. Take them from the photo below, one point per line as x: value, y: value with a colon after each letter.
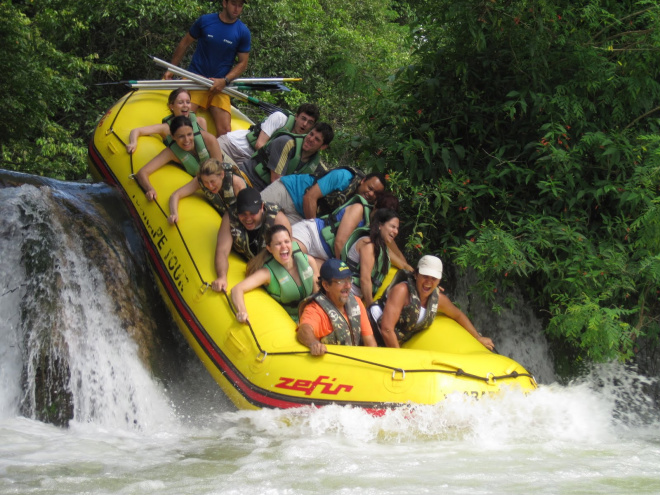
x: 431, y: 266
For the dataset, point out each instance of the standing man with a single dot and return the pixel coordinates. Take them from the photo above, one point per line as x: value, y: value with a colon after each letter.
x: 221, y: 39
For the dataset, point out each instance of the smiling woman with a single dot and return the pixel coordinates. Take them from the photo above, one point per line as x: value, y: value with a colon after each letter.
x: 219, y: 183
x: 410, y: 304
x: 288, y: 274
x: 187, y: 149
x: 366, y: 253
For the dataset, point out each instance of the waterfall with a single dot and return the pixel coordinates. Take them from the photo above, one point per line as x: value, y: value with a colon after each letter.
x: 78, y: 338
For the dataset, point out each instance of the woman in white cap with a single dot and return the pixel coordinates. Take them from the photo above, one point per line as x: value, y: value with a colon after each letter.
x: 410, y: 303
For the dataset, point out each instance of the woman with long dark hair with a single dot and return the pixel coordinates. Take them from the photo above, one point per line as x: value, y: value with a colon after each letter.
x: 287, y: 274
x: 367, y: 255
x: 179, y: 104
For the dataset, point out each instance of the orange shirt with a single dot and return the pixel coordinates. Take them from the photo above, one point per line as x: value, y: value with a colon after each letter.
x: 314, y: 315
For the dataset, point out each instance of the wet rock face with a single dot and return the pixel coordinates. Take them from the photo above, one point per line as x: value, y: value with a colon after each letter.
x: 647, y: 361
x: 78, y: 276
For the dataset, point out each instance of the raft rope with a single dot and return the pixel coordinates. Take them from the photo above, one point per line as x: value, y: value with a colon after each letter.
x: 489, y: 378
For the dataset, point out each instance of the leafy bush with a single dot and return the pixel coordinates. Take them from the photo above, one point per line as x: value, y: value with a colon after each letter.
x: 526, y: 134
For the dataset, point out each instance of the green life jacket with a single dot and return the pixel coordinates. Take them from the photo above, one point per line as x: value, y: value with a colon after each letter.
x: 343, y: 332
x: 255, y: 130
x: 335, y: 199
x: 189, y: 161
x: 241, y: 241
x: 293, y: 166
x: 407, y: 325
x: 282, y: 286
x: 224, y: 198
x: 381, y: 265
x: 331, y: 223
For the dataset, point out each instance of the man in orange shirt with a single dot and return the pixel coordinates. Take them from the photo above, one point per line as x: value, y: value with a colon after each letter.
x: 334, y: 315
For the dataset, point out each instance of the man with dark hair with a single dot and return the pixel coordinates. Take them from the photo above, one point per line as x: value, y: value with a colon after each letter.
x: 304, y: 196
x: 288, y: 154
x: 221, y: 39
x: 333, y: 315
x: 241, y: 145
x: 244, y: 225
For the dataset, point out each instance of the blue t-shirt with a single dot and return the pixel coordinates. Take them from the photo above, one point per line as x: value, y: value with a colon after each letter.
x: 297, y: 184
x: 218, y: 44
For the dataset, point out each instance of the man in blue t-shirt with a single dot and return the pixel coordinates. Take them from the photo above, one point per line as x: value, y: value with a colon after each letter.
x: 298, y: 194
x: 221, y: 39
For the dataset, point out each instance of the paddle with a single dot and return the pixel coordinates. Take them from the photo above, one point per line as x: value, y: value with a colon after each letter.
x: 266, y: 107
x: 177, y: 83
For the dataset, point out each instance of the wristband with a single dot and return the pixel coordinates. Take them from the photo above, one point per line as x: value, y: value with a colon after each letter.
x: 227, y: 81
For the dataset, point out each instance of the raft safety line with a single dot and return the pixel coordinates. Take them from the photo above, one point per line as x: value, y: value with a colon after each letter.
x: 490, y: 377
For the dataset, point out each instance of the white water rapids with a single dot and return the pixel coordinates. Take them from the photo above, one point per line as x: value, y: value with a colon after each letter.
x: 168, y: 429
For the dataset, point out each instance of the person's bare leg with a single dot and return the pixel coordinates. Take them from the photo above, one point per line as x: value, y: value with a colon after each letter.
x: 222, y: 120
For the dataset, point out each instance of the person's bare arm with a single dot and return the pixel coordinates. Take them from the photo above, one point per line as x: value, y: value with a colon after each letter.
x: 238, y: 183
x: 306, y: 337
x: 179, y: 52
x: 257, y: 279
x: 396, y: 300
x: 241, y: 65
x: 222, y: 250
x: 201, y: 122
x: 315, y: 272
x: 212, y: 145
x: 152, y: 165
x: 261, y: 140
x: 311, y: 201
x: 349, y: 222
x: 369, y: 341
x: 163, y: 130
x: 367, y: 260
x: 185, y: 190
x: 397, y: 258
x: 281, y: 219
x: 448, y: 308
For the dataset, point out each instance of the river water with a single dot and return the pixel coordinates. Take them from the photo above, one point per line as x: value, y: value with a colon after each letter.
x: 155, y: 422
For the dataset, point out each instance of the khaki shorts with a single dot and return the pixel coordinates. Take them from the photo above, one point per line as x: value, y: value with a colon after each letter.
x: 204, y: 100
x: 277, y: 193
x: 307, y: 233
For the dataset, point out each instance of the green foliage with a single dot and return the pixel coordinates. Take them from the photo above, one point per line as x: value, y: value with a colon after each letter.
x: 40, y: 83
x: 533, y: 125
x: 339, y: 49
x: 55, y: 50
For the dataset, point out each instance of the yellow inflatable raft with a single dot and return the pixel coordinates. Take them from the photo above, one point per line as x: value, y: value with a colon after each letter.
x: 263, y: 365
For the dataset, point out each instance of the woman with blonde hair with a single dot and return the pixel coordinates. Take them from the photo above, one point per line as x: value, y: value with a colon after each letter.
x: 217, y: 181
